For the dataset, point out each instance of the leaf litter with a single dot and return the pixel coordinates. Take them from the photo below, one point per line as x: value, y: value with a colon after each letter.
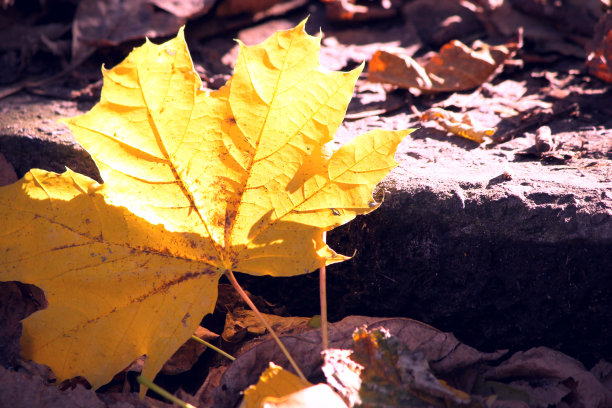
x: 397, y: 361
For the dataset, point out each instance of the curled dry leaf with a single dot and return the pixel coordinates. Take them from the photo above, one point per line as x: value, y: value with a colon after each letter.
x: 380, y: 371
x: 235, y: 7
x: 565, y: 377
x: 240, y: 322
x: 456, y: 67
x: 347, y: 10
x: 440, y: 22
x: 599, y: 60
x: 31, y: 391
x: 104, y: 22
x: 7, y: 172
x: 443, y: 351
x: 551, y: 29
x: 458, y: 124
x: 17, y: 301
x: 187, y: 355
x: 196, y: 184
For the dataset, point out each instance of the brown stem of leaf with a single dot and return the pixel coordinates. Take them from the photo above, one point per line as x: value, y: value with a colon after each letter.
x: 323, y: 299
x: 245, y: 297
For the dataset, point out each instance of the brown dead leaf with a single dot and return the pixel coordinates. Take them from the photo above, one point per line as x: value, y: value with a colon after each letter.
x: 229, y: 300
x: 458, y: 124
x: 28, y: 387
x: 240, y: 322
x: 347, y: 10
x: 528, y: 368
x: 569, y: 16
x: 24, y: 45
x: 187, y: 355
x: 599, y: 60
x: 456, y: 67
x: 185, y: 8
x: 548, y: 27
x: 7, y: 172
x: 105, y: 23
x: 442, y: 21
x: 213, y: 379
x: 220, y: 24
x: 354, y: 45
x: 442, y: 350
x: 235, y: 7
x: 603, y: 372
x: 380, y: 371
x: 18, y: 389
x: 17, y: 301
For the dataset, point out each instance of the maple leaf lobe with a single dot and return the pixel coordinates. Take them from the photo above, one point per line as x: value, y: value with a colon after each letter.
x: 195, y: 183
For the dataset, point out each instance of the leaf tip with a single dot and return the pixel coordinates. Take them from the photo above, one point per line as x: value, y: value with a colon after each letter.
x: 181, y: 33
x: 302, y: 24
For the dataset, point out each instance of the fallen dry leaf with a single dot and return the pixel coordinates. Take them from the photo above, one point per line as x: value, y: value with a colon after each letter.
x: 187, y: 355
x: 7, y: 172
x: 456, y: 67
x: 458, y: 124
x: 29, y: 388
x: 185, y: 8
x: 603, y: 372
x: 16, y: 302
x: 346, y: 47
x: 106, y: 23
x: 20, y: 389
x: 380, y: 371
x: 196, y: 183
x: 599, y: 60
x: 549, y: 29
x: 242, y: 321
x: 445, y: 20
x: 563, y: 374
x: 235, y: 7
x: 347, y: 10
x: 445, y: 354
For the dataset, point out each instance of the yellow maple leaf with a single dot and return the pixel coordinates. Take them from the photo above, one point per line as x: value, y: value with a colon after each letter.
x: 196, y: 183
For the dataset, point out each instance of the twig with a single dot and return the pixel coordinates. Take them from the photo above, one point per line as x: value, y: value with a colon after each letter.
x: 159, y: 390
x: 210, y: 346
x: 323, y: 299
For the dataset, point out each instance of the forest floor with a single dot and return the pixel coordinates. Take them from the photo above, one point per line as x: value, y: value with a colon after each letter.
x: 539, y: 104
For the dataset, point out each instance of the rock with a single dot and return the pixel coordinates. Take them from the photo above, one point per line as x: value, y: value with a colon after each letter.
x: 506, y: 254
x: 31, y: 137
x: 503, y: 252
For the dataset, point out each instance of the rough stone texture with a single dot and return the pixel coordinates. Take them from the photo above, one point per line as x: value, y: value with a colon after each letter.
x: 504, y: 253
x: 31, y: 137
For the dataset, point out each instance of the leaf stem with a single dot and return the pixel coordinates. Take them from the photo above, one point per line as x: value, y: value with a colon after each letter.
x: 210, y: 346
x: 323, y: 300
x: 159, y: 390
x: 245, y: 297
